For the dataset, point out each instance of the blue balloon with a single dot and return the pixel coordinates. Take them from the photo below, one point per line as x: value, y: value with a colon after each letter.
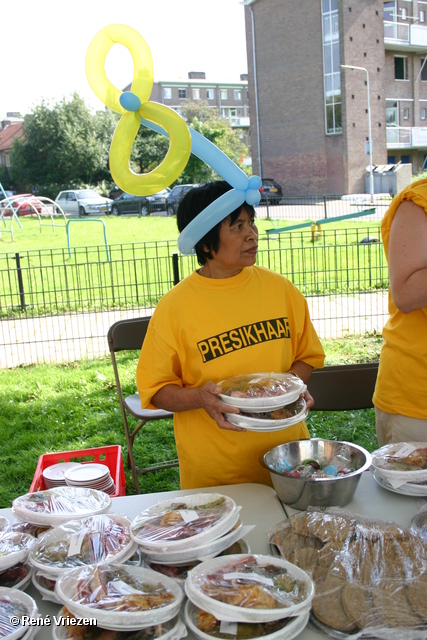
x: 130, y: 101
x: 215, y: 158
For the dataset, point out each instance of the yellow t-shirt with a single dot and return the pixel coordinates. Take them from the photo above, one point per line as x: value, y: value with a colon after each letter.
x: 211, y: 329
x: 401, y: 386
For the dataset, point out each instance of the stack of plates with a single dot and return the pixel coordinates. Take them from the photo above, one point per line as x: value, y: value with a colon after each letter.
x: 394, y: 468
x: 92, y: 475
x: 54, y: 476
x: 15, y: 605
x: 187, y: 530
x: 261, y: 397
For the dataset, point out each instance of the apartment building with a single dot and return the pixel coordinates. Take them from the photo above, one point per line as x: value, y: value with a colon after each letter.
x: 334, y: 84
x: 230, y: 98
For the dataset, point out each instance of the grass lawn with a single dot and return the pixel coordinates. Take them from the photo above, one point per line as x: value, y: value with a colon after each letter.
x: 50, y: 408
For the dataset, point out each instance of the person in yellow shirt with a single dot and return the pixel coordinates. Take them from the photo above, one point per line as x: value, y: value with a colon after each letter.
x: 400, y: 396
x: 227, y: 318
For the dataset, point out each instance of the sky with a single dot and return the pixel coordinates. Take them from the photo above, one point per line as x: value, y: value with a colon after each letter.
x: 44, y: 45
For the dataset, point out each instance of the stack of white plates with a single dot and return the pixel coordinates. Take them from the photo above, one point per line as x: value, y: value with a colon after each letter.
x: 54, y: 476
x: 93, y: 475
x: 19, y: 606
x: 392, y: 469
x: 187, y: 530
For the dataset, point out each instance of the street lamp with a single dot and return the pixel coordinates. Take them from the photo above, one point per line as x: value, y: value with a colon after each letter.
x: 371, y: 173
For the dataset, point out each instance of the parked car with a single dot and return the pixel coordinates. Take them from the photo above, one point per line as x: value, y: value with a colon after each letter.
x: 158, y: 200
x: 175, y: 196
x: 82, y: 202
x: 115, y: 192
x: 271, y: 191
x: 23, y: 204
x: 128, y: 204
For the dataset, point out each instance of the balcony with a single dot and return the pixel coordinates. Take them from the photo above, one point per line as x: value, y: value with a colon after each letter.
x: 238, y: 122
x: 407, y: 137
x: 402, y: 36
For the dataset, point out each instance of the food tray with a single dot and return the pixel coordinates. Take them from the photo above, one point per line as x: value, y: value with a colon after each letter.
x: 93, y: 540
x: 402, y: 455
x: 287, y: 389
x: 252, y: 423
x: 14, y: 548
x: 17, y: 577
x: 226, y: 577
x: 182, y: 523
x: 110, y: 456
x: 20, y: 604
x: 172, y: 630
x: 290, y: 629
x: 56, y: 506
x: 76, y: 589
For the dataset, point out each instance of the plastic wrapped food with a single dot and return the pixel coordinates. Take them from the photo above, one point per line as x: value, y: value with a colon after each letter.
x: 4, y: 524
x: 261, y: 391
x: 26, y: 527
x: 71, y: 631
x: 119, y: 596
x: 14, y: 604
x: 279, y: 418
x: 16, y: 577
x: 401, y: 466
x: 249, y: 588
x: 370, y: 575
x: 14, y: 548
x: 184, y: 523
x: 55, y: 506
x: 46, y: 586
x: 92, y: 540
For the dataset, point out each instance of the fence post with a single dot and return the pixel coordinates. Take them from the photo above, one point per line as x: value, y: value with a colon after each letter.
x: 175, y: 266
x: 20, y: 281
x: 324, y: 206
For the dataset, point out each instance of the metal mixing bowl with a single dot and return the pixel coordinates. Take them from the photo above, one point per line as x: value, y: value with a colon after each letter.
x: 300, y: 493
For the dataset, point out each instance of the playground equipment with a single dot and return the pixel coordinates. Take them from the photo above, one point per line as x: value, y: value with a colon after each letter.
x: 12, y: 207
x: 86, y: 220
x: 315, y: 226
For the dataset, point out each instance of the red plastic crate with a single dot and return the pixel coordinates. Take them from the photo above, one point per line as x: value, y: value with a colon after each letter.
x: 110, y: 456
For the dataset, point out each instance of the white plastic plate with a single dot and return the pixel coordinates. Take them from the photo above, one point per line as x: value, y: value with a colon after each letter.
x: 267, y: 403
x: 261, y: 424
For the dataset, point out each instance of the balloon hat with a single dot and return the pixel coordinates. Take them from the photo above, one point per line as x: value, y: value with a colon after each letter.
x: 136, y: 109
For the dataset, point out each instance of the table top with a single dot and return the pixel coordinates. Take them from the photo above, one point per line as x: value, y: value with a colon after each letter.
x: 260, y: 507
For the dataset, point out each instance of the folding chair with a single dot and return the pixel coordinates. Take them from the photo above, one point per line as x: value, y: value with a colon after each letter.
x: 126, y: 335
x: 343, y: 387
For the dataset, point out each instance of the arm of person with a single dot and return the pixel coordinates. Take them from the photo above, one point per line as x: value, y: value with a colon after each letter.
x: 174, y: 398
x: 407, y: 257
x: 304, y: 371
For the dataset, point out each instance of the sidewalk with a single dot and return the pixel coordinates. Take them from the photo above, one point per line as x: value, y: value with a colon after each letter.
x: 84, y: 335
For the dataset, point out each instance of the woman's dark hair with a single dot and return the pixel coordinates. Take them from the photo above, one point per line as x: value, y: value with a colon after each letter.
x: 194, y: 202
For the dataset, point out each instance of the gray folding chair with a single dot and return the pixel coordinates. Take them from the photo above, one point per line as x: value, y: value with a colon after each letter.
x: 343, y: 387
x: 126, y: 335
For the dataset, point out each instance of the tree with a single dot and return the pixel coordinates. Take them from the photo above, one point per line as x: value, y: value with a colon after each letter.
x: 63, y: 146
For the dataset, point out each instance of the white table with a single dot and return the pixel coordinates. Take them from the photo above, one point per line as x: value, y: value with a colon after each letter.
x: 260, y: 507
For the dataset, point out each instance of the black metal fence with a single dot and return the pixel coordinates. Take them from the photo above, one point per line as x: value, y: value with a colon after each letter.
x: 54, y: 307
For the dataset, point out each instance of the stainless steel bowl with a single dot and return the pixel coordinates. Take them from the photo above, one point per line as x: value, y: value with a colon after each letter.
x: 301, y: 493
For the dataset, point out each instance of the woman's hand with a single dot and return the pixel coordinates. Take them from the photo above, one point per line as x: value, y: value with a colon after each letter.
x: 215, y: 408
x: 309, y: 400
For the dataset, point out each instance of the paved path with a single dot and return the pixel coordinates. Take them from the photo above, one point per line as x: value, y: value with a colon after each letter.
x: 75, y: 336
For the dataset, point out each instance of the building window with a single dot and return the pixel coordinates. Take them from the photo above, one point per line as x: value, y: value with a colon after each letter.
x: 182, y: 93
x: 331, y: 66
x: 167, y: 93
x: 391, y: 159
x: 424, y: 69
x: 224, y: 94
x: 196, y: 94
x: 400, y: 68
x: 237, y: 94
x: 391, y: 114
x: 406, y: 113
x: 422, y: 16
x: 423, y: 113
x: 210, y: 94
x: 405, y: 159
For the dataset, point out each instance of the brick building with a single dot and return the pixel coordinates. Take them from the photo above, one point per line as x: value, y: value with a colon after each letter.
x: 309, y: 116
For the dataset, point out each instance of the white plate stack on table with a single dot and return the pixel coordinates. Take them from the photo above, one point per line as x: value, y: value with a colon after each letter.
x: 54, y: 476
x: 267, y: 401
x: 261, y: 595
x: 16, y: 604
x: 93, y: 540
x: 53, y: 507
x: 93, y: 475
x: 402, y: 468
x: 189, y: 529
x: 123, y: 598
x: 15, y: 570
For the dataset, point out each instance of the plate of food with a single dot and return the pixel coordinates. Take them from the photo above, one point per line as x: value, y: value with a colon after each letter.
x: 14, y: 548
x: 120, y: 597
x: 400, y: 463
x: 183, y: 523
x: 56, y: 506
x: 15, y: 604
x: 275, y: 420
x: 260, y: 392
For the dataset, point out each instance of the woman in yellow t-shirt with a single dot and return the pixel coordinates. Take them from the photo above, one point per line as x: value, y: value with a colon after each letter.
x: 227, y: 318
x: 400, y: 396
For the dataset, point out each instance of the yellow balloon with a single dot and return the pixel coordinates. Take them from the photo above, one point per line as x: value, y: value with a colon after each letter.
x: 141, y: 55
x: 169, y: 169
